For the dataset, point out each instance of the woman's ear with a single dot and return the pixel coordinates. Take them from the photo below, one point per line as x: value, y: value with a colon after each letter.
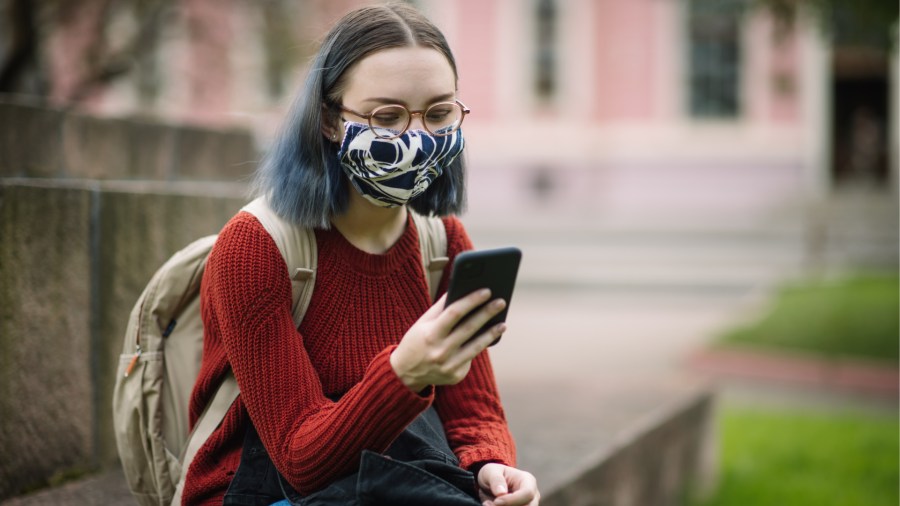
x: 329, y: 125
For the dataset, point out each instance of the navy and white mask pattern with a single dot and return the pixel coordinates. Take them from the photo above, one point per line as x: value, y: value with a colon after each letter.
x: 390, y: 172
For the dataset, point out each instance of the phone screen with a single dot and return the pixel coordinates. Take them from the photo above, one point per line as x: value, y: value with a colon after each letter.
x: 491, y: 268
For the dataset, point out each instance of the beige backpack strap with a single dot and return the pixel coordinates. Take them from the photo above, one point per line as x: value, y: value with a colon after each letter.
x: 433, y: 245
x: 209, y: 420
x: 298, y: 247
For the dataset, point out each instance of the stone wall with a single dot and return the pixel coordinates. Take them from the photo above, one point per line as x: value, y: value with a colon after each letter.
x: 42, y: 142
x: 661, y: 460
x: 46, y: 392
x: 89, y: 209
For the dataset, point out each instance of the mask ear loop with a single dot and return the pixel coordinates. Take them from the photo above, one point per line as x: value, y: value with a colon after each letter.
x: 328, y: 111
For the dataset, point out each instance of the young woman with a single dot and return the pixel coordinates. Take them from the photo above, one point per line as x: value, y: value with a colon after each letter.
x: 373, y: 135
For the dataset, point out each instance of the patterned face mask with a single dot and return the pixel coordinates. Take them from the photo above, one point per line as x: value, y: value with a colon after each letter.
x: 390, y: 172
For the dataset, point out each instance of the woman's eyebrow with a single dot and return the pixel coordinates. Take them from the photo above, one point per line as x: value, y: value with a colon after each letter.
x: 387, y: 100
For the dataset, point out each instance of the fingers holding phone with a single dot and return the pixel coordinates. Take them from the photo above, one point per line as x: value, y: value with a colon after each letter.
x: 468, y: 317
x: 494, y: 269
x: 432, y: 351
x: 474, y: 333
x: 439, y: 347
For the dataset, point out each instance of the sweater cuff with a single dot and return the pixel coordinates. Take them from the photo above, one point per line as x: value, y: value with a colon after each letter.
x: 473, y: 460
x: 388, y: 385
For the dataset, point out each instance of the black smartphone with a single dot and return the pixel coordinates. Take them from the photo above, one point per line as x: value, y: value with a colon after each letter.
x: 490, y: 268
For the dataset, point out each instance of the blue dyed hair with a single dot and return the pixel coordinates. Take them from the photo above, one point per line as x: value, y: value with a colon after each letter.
x: 300, y: 173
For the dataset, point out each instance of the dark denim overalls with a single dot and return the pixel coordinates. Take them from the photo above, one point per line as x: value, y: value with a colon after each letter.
x: 419, y: 468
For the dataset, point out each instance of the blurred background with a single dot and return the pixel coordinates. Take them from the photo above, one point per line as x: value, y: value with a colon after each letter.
x: 705, y: 191
x: 738, y: 106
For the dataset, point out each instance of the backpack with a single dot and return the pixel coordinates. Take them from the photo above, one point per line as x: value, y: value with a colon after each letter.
x: 163, y: 344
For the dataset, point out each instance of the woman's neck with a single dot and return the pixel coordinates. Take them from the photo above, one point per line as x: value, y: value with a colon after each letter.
x: 368, y: 227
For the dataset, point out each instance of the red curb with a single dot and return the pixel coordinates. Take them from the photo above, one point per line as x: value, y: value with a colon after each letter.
x: 835, y: 373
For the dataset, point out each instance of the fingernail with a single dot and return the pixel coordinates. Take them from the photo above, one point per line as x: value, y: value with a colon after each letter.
x: 484, y: 292
x: 498, y: 304
x: 499, y: 330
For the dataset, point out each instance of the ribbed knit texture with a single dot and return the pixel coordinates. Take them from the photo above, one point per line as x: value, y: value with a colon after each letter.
x: 361, y: 307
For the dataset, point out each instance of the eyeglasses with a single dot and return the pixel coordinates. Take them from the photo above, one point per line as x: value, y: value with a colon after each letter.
x: 393, y: 120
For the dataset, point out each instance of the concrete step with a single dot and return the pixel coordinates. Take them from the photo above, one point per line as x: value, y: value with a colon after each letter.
x: 652, y: 262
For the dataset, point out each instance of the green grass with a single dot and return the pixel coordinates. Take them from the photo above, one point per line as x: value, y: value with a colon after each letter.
x: 792, y: 458
x: 855, y: 316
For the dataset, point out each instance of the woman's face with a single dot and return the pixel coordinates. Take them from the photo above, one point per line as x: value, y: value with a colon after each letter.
x: 415, y: 77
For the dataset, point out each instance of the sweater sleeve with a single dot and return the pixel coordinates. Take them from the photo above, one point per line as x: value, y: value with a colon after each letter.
x: 311, y: 440
x: 471, y: 411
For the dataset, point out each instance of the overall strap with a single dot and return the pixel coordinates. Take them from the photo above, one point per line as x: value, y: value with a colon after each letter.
x: 433, y: 246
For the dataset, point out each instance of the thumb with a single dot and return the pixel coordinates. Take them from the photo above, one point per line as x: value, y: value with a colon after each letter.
x: 498, y: 484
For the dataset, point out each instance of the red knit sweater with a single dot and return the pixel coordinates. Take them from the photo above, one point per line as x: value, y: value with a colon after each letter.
x: 361, y: 307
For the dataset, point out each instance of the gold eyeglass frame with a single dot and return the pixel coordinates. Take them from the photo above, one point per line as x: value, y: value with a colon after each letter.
x: 420, y: 112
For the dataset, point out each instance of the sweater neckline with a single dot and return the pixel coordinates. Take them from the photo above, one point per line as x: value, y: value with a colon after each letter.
x: 372, y: 263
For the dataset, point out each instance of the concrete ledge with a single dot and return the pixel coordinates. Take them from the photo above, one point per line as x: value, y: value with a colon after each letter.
x: 74, y: 257
x: 658, y: 459
x: 107, y: 148
x: 215, y: 189
x: 653, y: 460
x: 31, y: 143
x: 627, y: 442
x: 46, y: 396
x: 40, y: 141
x: 214, y: 155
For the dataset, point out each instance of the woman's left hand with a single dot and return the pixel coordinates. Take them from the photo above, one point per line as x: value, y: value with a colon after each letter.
x: 500, y: 485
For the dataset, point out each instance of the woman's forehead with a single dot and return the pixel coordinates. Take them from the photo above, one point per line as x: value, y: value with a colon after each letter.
x: 411, y: 75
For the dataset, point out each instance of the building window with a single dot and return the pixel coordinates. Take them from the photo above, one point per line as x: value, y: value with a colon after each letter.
x: 545, y: 48
x: 715, y: 57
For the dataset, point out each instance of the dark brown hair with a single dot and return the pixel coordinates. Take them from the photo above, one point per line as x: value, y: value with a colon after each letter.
x: 370, y: 29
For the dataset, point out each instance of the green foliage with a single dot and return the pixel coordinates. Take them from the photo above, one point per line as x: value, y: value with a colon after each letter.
x: 807, y: 459
x: 866, y: 22
x: 850, y: 317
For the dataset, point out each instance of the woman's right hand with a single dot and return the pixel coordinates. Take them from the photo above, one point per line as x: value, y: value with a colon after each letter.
x: 435, y: 350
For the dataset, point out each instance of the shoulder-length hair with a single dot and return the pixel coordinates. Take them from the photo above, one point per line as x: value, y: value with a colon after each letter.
x: 300, y: 174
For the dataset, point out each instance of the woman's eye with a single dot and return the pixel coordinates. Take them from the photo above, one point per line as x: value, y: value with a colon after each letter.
x: 386, y: 119
x: 438, y: 115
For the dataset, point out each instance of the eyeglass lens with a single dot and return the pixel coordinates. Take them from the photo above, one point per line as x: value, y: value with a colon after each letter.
x: 442, y: 118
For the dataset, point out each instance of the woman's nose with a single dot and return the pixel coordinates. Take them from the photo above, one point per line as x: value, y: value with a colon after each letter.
x: 417, y: 121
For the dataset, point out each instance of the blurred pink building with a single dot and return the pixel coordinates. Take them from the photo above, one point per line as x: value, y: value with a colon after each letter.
x: 657, y: 109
